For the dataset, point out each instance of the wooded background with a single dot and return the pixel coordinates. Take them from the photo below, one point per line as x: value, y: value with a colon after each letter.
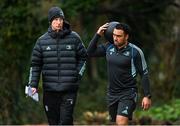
x: 156, y: 30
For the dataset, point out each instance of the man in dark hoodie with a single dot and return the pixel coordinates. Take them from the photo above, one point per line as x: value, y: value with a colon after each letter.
x: 60, y: 56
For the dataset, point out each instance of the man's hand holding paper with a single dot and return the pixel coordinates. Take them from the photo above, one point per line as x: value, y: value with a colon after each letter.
x: 32, y: 92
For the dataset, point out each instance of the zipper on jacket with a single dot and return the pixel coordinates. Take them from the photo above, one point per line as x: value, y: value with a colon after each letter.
x: 58, y: 48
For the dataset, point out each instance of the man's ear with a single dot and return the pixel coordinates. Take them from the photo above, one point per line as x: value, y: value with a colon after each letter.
x: 127, y: 36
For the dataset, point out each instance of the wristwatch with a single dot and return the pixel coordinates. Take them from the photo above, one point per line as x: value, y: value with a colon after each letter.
x: 148, y: 96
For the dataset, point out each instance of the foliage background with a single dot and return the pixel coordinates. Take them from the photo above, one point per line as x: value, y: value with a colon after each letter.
x: 155, y: 25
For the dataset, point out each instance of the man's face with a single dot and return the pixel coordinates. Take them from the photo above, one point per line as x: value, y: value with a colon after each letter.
x: 119, y: 37
x: 57, y: 24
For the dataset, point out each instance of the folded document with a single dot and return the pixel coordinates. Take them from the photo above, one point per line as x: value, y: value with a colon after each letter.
x: 28, y: 92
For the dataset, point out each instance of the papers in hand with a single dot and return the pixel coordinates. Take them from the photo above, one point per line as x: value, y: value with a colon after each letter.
x: 28, y: 92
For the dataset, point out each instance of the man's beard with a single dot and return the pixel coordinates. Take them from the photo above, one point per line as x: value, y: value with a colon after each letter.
x: 119, y: 44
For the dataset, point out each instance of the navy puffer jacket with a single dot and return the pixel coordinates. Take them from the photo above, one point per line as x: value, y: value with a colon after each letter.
x: 60, y: 57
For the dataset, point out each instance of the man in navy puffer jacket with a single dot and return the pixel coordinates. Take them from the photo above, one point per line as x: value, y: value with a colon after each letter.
x: 60, y: 56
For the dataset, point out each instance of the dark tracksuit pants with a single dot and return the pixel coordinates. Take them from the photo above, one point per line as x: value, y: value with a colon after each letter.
x: 59, y: 107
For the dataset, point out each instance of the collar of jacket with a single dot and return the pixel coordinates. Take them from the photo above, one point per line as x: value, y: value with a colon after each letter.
x: 123, y: 48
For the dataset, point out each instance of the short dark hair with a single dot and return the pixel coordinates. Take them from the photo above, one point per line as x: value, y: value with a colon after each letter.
x: 124, y: 27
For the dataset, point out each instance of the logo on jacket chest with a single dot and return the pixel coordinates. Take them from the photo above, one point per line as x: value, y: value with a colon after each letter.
x: 126, y: 53
x: 48, y: 48
x: 111, y: 51
x: 68, y: 47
